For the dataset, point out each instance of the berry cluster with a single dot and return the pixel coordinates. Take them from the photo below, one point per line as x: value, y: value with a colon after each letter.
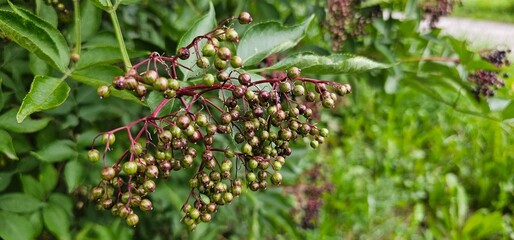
x: 346, y: 19
x: 433, y: 10
x: 260, y: 117
x: 487, y: 81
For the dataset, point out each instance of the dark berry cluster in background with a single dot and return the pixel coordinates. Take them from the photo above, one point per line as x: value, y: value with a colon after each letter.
x: 433, y: 10
x: 62, y: 10
x: 233, y: 129
x: 487, y: 81
x: 347, y: 20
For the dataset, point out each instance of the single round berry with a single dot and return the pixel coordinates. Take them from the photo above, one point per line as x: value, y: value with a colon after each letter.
x: 222, y: 76
x: 103, y: 91
x: 183, y: 121
x: 208, y: 50
x: 150, y: 76
x: 285, y: 87
x: 93, y: 155
x: 245, y: 18
x: 314, y: 144
x: 293, y: 73
x: 97, y: 192
x: 145, y: 205
x: 203, y: 62
x: 245, y: 79
x: 194, y: 213
x: 161, y: 84
x: 183, y: 53
x: 208, y: 79
x: 173, y: 84
x: 232, y: 35
x: 236, y: 61
x: 108, y: 137
x: 220, y: 64
x: 130, y: 168
x: 119, y: 82
x: 224, y: 53
x: 276, y: 178
x: 108, y: 173
x: 132, y: 219
x: 298, y: 90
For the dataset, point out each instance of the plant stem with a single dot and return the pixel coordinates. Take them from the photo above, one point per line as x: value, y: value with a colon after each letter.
x: 119, y: 36
x: 76, y: 12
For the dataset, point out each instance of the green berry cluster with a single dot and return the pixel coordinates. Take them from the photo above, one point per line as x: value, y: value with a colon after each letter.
x: 260, y: 117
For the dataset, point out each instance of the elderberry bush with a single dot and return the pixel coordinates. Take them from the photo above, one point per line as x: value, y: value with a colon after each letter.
x: 487, y: 81
x: 260, y: 116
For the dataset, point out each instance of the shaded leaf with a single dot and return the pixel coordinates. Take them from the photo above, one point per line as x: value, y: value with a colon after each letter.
x: 19, y: 202
x: 155, y: 98
x: 264, y: 39
x: 6, y: 146
x: 102, y: 4
x: 45, y: 93
x: 48, y: 177
x: 202, y: 26
x: 57, y: 221
x: 5, y: 180
x: 8, y: 122
x: 103, y: 75
x: 32, y: 187
x: 56, y: 151
x: 14, y: 227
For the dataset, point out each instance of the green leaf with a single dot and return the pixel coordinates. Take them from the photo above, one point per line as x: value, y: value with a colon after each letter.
x: 36, y: 35
x: 15, y: 227
x: 103, y: 75
x: 73, y: 174
x: 45, y: 93
x: 483, y: 225
x: 264, y: 39
x: 102, y: 56
x: 32, y: 187
x: 508, y: 111
x: 19, y: 202
x: 8, y: 122
x: 202, y: 26
x: 6, y: 146
x: 333, y: 64
x: 155, y: 98
x: 56, y: 221
x: 48, y: 177
x: 56, y: 151
x: 5, y: 179
x: 102, y: 4
x: 64, y: 201
x: 90, y: 22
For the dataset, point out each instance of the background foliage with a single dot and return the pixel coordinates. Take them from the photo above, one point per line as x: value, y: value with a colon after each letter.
x: 412, y: 153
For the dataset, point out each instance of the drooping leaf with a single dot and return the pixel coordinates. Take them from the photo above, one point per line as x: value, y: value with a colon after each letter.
x: 56, y: 221
x: 56, y: 151
x: 45, y: 93
x: 202, y: 26
x: 103, y: 55
x: 35, y: 35
x: 103, y: 75
x: 14, y: 227
x: 19, y: 203
x: 333, y: 64
x: 6, y: 146
x: 264, y: 39
x: 8, y: 122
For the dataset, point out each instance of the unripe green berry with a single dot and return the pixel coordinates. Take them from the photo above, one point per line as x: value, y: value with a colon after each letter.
x: 93, y: 155
x: 173, y: 84
x: 247, y: 149
x: 276, y: 178
x: 232, y: 35
x: 285, y: 87
x: 104, y: 91
x: 298, y: 90
x: 208, y: 79
x: 314, y: 144
x: 150, y: 76
x: 194, y: 213
x: 236, y: 62
x: 293, y: 73
x: 251, y: 177
x: 203, y: 62
x: 208, y: 50
x: 108, y: 137
x: 253, y: 164
x: 145, y: 205
x: 149, y: 186
x: 132, y: 219
x: 130, y: 168
x: 220, y: 64
x: 323, y: 132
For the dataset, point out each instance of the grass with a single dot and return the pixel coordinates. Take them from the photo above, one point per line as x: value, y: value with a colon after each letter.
x: 494, y: 10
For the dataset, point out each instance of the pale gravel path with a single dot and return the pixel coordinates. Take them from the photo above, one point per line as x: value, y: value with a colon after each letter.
x: 479, y: 33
